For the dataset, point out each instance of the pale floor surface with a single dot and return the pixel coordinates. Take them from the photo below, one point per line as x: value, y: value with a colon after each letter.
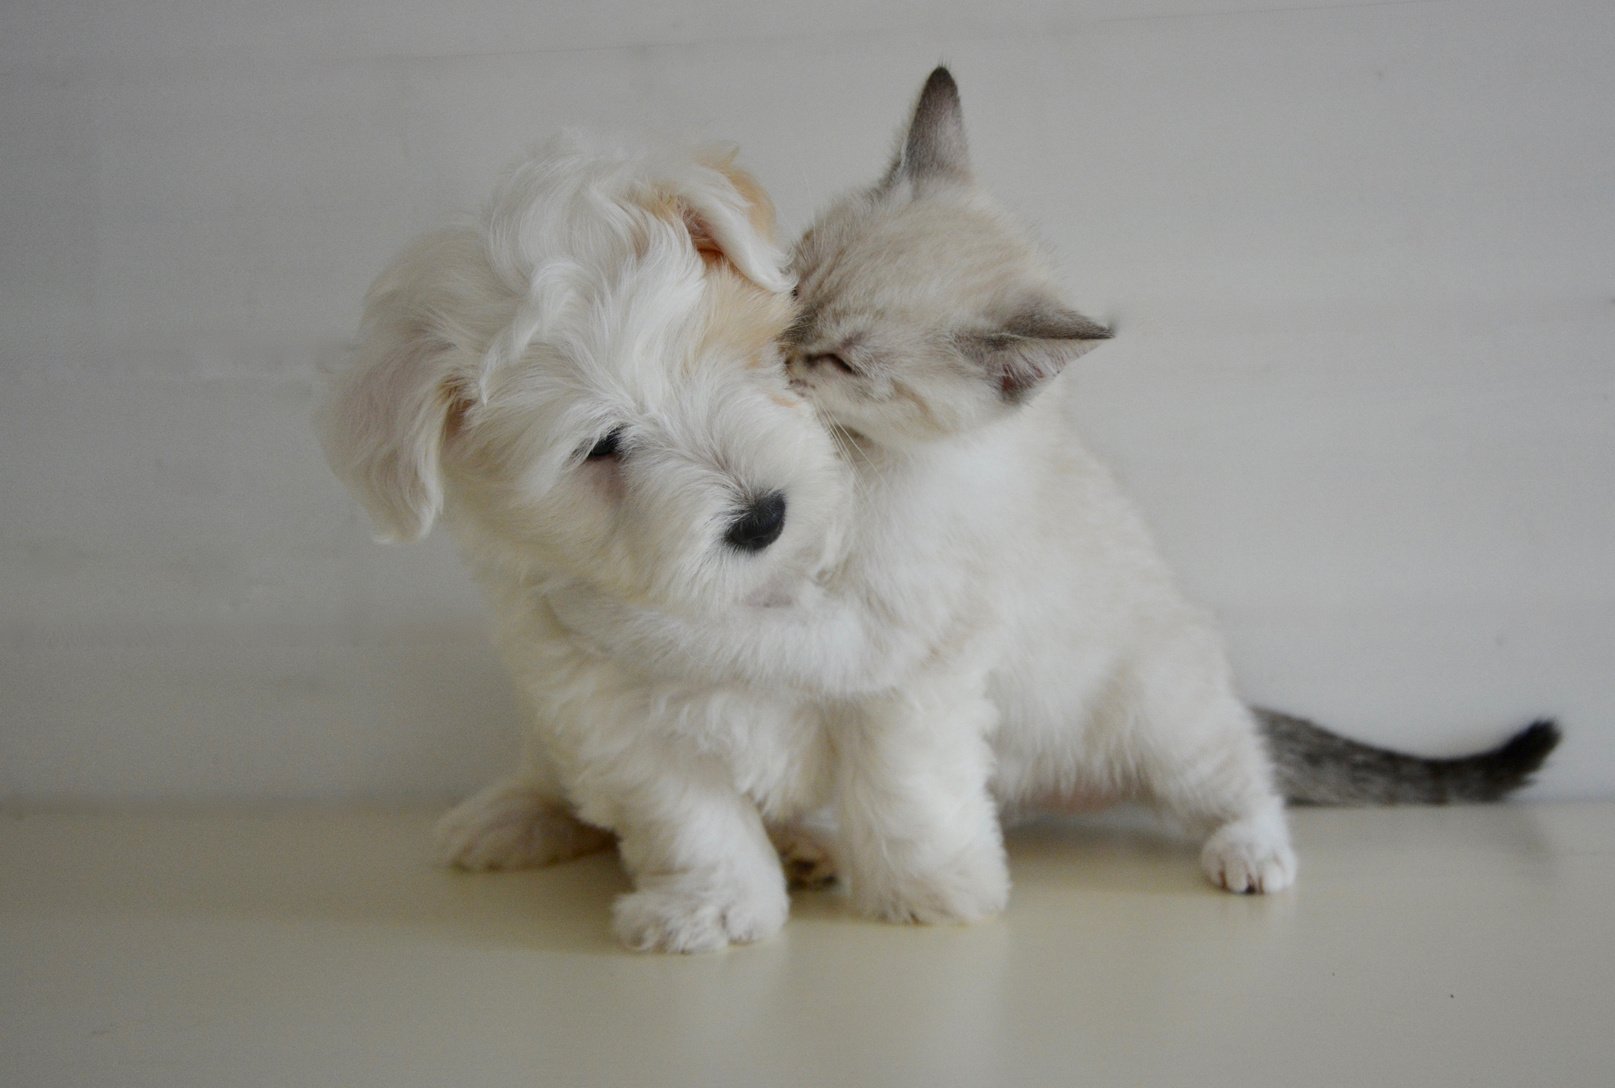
x: 1421, y: 947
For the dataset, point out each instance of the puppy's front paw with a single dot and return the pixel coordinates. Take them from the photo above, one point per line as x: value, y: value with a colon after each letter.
x: 968, y: 889
x: 510, y: 825
x: 690, y: 916
x: 1250, y: 856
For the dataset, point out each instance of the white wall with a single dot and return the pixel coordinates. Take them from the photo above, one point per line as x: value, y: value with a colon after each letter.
x: 1362, y: 257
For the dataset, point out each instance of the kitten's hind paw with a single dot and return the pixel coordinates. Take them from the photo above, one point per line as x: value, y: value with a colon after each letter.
x: 510, y: 825
x: 1250, y: 856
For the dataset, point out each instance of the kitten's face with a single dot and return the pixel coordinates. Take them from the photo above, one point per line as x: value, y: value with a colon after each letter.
x: 926, y: 311
x: 898, y: 293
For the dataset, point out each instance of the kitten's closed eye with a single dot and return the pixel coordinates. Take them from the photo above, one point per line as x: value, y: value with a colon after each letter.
x: 830, y: 359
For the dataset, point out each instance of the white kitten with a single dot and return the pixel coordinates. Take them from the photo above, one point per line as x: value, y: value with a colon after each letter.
x: 1108, y: 682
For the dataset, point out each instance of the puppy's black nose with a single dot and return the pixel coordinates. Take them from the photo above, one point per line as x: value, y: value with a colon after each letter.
x: 759, y: 525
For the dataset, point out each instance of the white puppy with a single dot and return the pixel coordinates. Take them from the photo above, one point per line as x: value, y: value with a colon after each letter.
x: 585, y: 383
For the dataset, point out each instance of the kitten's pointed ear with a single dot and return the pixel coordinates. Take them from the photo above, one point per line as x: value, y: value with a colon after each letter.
x: 731, y: 219
x: 1032, y: 346
x: 934, y: 148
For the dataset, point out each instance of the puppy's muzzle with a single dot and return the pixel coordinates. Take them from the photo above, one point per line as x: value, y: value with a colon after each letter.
x: 759, y: 524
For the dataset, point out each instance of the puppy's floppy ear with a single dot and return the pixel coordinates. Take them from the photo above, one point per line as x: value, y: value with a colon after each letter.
x: 1024, y: 351
x: 384, y: 419
x: 731, y: 220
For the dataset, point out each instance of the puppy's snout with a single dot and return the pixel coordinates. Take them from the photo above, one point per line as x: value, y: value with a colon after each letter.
x: 759, y: 524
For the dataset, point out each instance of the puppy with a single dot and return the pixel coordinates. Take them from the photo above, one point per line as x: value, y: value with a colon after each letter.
x: 585, y: 385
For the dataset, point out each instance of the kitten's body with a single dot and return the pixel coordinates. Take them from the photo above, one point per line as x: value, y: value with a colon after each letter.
x: 1109, y: 683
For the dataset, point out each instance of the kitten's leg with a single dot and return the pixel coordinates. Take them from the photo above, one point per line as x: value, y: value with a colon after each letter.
x: 920, y: 834
x: 519, y: 822
x: 1197, y: 750
x: 1220, y: 782
x: 1251, y: 853
x: 705, y: 873
x: 1228, y: 790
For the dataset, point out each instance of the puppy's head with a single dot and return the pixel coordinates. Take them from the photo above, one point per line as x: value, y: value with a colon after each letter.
x: 588, y: 381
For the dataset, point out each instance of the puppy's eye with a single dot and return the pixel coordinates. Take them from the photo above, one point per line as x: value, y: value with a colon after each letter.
x: 609, y: 446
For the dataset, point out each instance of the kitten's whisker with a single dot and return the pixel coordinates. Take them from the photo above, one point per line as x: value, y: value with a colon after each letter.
x: 842, y: 451
x: 850, y: 451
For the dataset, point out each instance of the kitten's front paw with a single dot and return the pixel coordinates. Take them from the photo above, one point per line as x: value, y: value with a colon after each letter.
x: 969, y: 889
x: 681, y: 916
x: 513, y: 826
x: 1249, y: 856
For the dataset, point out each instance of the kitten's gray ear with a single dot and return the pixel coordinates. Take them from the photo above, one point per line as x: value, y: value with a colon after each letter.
x: 1032, y: 346
x: 934, y: 148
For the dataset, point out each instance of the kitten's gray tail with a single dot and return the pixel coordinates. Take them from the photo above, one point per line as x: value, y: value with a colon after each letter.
x: 1317, y: 767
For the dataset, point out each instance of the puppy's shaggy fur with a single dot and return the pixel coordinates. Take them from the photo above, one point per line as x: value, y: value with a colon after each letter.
x: 585, y: 384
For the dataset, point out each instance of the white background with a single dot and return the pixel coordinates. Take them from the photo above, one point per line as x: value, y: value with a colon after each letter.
x: 1362, y: 257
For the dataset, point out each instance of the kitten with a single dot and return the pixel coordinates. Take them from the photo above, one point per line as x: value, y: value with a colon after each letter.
x: 904, y: 288
x: 932, y: 337
x: 993, y: 555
